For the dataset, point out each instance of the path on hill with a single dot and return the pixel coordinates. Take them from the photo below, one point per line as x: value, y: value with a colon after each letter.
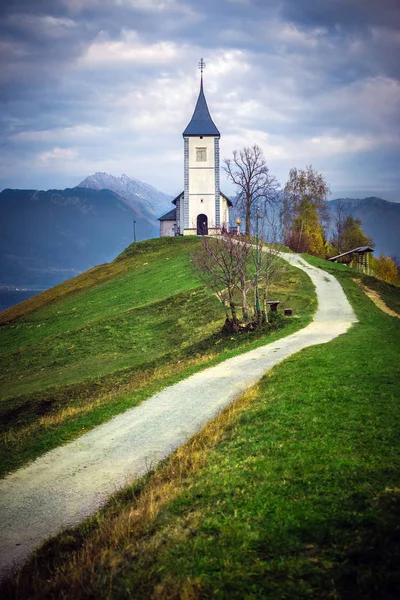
x: 71, y: 482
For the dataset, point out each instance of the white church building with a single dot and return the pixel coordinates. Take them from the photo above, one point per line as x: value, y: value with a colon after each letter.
x: 201, y: 209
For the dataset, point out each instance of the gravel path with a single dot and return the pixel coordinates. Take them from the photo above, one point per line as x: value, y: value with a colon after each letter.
x: 69, y: 483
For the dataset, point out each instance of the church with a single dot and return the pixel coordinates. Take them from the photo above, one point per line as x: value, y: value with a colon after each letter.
x: 201, y: 209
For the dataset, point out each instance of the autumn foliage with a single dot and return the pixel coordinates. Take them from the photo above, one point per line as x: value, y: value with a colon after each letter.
x: 385, y: 268
x: 305, y: 213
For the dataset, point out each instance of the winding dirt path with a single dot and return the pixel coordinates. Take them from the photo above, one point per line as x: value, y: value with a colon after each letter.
x: 71, y: 482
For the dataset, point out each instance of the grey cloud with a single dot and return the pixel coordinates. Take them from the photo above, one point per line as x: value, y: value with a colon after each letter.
x: 346, y: 14
x: 290, y: 84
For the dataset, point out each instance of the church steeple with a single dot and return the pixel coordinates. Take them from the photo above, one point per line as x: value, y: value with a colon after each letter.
x: 201, y: 122
x: 201, y: 209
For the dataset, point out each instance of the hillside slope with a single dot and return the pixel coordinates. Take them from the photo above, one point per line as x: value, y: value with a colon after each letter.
x: 293, y: 492
x: 89, y: 348
x: 125, y: 447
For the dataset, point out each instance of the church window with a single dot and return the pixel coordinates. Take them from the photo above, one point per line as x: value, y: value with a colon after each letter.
x: 201, y: 154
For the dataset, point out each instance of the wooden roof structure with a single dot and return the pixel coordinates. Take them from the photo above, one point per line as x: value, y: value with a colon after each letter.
x: 360, y: 250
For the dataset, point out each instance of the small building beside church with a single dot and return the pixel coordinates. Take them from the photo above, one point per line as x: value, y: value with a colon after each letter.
x: 201, y: 208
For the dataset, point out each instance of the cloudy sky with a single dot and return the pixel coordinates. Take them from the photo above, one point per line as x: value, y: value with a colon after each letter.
x: 96, y: 85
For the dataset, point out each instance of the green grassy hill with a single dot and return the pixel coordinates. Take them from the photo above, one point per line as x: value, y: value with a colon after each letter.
x: 93, y: 346
x: 292, y: 492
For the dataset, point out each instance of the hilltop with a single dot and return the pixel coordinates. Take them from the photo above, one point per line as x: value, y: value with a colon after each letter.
x: 49, y: 236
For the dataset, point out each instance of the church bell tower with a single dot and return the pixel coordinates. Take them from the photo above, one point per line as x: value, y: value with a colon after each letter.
x: 200, y: 211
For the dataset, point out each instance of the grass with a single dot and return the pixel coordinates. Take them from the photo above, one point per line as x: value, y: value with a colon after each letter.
x: 389, y: 292
x: 99, y: 274
x: 88, y: 352
x: 293, y: 492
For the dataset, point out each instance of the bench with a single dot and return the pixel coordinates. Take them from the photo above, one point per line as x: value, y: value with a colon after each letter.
x: 273, y: 305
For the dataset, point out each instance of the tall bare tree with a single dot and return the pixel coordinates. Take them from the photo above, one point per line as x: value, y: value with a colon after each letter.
x: 231, y: 266
x: 257, y: 188
x: 243, y: 251
x: 338, y: 225
x: 216, y: 264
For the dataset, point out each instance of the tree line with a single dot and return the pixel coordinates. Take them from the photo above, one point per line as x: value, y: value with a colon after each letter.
x: 296, y: 217
x: 306, y: 223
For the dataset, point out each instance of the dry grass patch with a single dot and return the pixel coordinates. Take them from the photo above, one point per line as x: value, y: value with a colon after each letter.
x: 377, y: 300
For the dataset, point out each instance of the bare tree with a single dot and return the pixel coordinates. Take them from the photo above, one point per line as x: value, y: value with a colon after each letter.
x: 270, y: 262
x: 339, y: 219
x: 257, y: 188
x: 242, y: 251
x: 216, y: 264
x: 231, y: 266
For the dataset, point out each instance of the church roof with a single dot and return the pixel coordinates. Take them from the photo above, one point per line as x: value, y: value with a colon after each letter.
x: 201, y: 122
x: 174, y: 201
x: 170, y: 216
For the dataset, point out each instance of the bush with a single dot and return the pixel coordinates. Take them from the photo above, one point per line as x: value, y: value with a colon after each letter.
x: 385, y: 268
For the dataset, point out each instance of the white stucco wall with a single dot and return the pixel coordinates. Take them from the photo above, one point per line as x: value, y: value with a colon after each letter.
x: 201, y: 181
x: 200, y: 204
x: 167, y: 228
x: 224, y: 212
x: 198, y: 142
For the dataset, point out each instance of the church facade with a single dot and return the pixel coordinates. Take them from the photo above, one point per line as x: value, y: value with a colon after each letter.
x: 201, y: 208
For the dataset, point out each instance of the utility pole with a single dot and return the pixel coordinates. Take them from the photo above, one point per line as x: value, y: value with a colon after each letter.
x: 134, y: 230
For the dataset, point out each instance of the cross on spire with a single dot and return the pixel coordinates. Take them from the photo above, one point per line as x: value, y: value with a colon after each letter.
x: 202, y: 66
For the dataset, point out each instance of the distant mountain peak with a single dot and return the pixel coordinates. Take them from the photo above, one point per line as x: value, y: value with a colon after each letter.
x: 133, y: 191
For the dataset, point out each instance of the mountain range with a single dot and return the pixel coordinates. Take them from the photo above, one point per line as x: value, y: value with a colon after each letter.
x: 134, y: 192
x: 49, y: 236
x: 379, y: 218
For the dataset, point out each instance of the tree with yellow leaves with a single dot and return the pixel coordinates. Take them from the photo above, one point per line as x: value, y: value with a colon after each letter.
x: 385, y: 268
x: 305, y: 214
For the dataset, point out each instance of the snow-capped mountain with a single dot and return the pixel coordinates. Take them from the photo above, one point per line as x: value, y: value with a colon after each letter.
x: 135, y: 192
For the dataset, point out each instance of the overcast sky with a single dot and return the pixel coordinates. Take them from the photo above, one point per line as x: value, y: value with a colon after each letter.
x: 96, y: 85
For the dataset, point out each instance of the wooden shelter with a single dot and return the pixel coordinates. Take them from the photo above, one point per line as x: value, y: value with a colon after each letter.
x: 358, y: 258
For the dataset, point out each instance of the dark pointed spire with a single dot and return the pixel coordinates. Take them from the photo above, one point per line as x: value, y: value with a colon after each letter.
x: 201, y: 122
